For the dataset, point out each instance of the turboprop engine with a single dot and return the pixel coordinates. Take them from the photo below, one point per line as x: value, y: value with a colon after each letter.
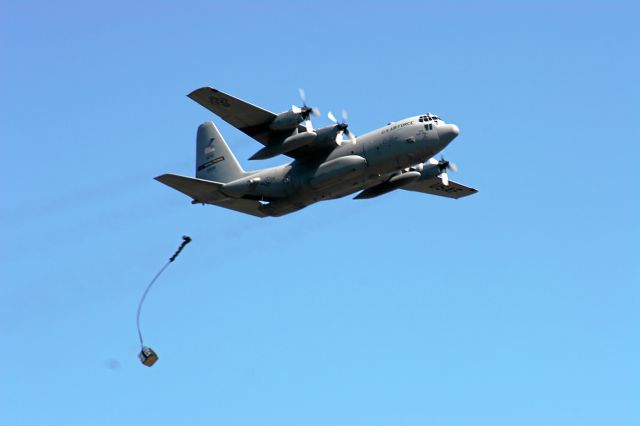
x: 287, y: 120
x: 422, y: 171
x: 320, y: 138
x: 327, y: 136
x: 295, y: 141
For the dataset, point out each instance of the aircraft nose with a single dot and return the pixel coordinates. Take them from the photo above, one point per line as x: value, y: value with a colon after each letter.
x: 447, y: 132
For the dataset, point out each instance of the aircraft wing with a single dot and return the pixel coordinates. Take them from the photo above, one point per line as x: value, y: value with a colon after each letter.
x: 249, y: 119
x: 207, y: 191
x: 435, y: 187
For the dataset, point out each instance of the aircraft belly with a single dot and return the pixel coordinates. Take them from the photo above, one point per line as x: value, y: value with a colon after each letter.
x: 282, y: 207
x: 274, y: 188
x: 274, y: 183
x: 338, y: 189
x: 337, y: 171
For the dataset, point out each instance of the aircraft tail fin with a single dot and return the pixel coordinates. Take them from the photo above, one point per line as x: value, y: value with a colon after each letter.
x: 214, y: 159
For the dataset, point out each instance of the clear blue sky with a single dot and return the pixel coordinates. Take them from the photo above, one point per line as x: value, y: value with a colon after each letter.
x: 517, y: 306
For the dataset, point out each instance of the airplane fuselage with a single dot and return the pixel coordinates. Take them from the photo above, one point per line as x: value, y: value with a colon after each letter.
x: 348, y: 168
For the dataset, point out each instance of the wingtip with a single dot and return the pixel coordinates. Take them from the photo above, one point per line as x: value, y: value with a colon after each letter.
x: 164, y: 178
x: 195, y: 92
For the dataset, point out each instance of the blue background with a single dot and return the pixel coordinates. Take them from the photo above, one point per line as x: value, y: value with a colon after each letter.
x: 518, y: 305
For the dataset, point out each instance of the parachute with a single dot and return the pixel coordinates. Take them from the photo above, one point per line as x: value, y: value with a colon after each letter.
x: 147, y: 355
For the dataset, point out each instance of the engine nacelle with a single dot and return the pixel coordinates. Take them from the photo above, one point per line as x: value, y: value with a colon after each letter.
x: 326, y: 136
x: 429, y: 171
x: 293, y: 142
x: 288, y: 120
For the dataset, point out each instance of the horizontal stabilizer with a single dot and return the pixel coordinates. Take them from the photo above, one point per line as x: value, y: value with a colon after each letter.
x: 206, y: 191
x: 202, y: 191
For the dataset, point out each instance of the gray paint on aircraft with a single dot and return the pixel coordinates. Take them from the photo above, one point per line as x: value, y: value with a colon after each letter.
x: 322, y: 169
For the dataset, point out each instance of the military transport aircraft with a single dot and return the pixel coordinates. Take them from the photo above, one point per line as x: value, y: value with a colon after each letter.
x: 326, y: 165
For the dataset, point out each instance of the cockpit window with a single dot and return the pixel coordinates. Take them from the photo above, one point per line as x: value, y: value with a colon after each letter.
x: 428, y: 117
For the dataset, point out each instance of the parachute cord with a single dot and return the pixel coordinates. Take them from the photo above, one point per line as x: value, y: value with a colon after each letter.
x: 185, y: 240
x: 144, y: 296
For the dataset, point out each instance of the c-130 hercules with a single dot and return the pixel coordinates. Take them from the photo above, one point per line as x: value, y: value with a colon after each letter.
x: 326, y: 165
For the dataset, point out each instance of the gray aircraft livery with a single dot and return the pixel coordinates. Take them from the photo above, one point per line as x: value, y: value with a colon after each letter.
x: 325, y: 166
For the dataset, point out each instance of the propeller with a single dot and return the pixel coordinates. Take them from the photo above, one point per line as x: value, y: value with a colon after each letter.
x: 305, y: 111
x: 342, y: 127
x: 443, y: 166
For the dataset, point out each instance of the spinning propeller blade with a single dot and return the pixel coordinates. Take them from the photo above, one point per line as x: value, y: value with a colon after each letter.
x: 445, y: 178
x: 305, y: 111
x: 342, y: 127
x: 443, y: 166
